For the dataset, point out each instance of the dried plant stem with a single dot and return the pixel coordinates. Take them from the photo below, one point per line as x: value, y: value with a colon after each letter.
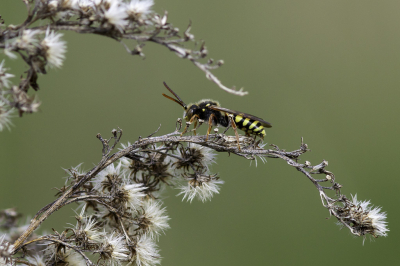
x: 217, y: 142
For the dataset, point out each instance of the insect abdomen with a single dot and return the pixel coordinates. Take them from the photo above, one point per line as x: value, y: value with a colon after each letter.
x: 249, y: 126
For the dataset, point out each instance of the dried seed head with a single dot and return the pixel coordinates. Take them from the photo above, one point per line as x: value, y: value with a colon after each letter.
x: 73, y: 258
x: 134, y: 167
x: 61, y: 255
x: 146, y: 252
x: 25, y: 103
x: 139, y: 9
x: 362, y: 218
x: 4, y: 76
x: 195, y: 156
x: 201, y: 186
x: 152, y: 220
x: 108, y: 179
x: 87, y: 231
x: 28, y: 38
x: 114, y: 249
x: 54, y: 48
x: 116, y: 15
x: 75, y: 173
x: 5, y: 251
x: 160, y: 170
x: 36, y: 260
x: 132, y: 195
x: 5, y: 114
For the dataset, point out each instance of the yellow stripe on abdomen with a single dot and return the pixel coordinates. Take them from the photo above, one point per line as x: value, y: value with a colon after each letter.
x: 246, y: 121
x: 238, y: 118
x: 258, y: 129
x: 253, y: 124
x: 249, y: 126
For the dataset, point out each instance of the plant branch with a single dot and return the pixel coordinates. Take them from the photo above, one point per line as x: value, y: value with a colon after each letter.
x: 217, y: 142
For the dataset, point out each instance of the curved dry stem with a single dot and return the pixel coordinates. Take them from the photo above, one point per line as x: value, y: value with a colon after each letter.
x: 217, y: 142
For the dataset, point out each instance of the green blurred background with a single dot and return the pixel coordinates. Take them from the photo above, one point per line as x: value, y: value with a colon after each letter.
x: 327, y: 71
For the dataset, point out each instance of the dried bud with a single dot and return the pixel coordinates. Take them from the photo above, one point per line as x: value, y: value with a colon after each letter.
x: 25, y: 103
x: 138, y: 50
x: 203, y: 53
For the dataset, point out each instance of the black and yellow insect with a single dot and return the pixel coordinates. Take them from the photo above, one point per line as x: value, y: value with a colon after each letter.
x: 215, y: 115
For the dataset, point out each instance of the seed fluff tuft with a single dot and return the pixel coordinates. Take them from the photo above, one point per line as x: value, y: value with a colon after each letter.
x: 201, y: 186
x: 54, y: 48
x: 153, y: 219
x: 147, y: 253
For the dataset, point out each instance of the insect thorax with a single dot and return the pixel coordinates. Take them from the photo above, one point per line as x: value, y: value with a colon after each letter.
x: 202, y: 110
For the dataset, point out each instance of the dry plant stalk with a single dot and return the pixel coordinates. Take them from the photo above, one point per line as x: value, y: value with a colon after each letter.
x: 122, y: 216
x: 121, y: 212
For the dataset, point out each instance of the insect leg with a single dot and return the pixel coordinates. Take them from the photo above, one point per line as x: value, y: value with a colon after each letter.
x: 235, y: 129
x: 209, y: 125
x: 200, y: 121
x: 188, y: 124
x: 194, y: 127
x: 228, y: 127
x: 258, y: 142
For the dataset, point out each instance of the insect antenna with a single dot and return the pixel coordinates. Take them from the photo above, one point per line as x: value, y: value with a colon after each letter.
x: 179, y: 101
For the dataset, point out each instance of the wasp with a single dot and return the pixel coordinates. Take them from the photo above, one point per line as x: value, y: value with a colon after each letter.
x: 211, y: 111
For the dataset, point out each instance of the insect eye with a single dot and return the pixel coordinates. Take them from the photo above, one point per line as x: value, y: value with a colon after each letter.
x: 189, y: 114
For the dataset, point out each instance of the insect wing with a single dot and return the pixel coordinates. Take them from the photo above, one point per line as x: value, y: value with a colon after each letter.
x: 252, y: 117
